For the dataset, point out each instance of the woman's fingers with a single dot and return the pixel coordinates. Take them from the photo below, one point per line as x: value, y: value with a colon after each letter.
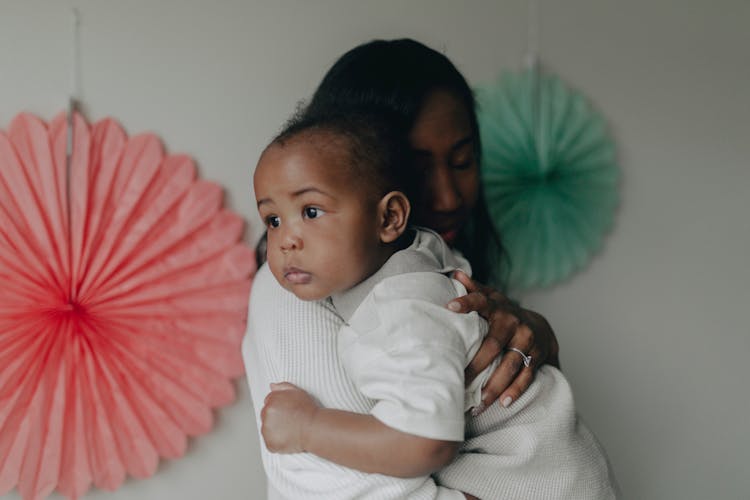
x: 544, y: 338
x: 509, y: 326
x: 502, y: 327
x: 508, y: 382
x: 480, y: 298
x: 512, y: 377
x: 502, y: 380
x: 489, y: 349
x: 468, y: 283
x: 523, y: 380
x: 473, y: 301
x: 491, y: 306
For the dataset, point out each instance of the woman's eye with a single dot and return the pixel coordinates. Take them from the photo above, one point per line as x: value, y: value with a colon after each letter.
x: 464, y: 157
x: 463, y: 162
x: 273, y: 221
x: 313, y: 212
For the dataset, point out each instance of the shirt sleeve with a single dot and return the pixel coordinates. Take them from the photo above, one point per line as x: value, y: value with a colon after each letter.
x: 291, y: 340
x: 406, y: 351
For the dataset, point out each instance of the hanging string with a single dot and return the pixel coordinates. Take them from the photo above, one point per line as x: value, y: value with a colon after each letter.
x: 72, y: 105
x: 74, y: 80
x: 531, y: 58
x: 531, y: 61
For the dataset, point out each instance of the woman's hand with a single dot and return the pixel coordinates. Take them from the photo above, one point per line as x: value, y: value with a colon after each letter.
x: 286, y: 415
x: 509, y: 326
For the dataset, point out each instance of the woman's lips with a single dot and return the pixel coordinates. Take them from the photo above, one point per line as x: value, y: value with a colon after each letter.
x: 446, y: 224
x: 449, y: 236
x: 297, y: 276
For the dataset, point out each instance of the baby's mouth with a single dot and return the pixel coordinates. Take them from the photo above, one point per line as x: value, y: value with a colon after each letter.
x: 297, y: 276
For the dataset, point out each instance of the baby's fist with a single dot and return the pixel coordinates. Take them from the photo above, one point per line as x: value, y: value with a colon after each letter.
x: 285, y: 418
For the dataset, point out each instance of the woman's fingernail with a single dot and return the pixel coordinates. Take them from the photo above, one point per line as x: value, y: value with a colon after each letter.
x: 477, y: 409
x: 454, y: 306
x: 507, y: 401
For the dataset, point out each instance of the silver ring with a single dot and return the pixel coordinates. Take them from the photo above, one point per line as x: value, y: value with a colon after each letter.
x: 526, y: 359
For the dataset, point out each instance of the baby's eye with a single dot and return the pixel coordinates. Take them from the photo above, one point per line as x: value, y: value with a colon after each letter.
x: 273, y: 221
x: 313, y: 212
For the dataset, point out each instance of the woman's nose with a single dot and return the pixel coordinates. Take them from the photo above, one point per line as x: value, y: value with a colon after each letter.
x: 444, y: 194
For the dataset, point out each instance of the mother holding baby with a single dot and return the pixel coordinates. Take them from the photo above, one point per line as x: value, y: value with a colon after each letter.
x: 295, y: 341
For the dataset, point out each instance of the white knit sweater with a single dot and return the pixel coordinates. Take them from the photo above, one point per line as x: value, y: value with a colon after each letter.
x: 536, y: 449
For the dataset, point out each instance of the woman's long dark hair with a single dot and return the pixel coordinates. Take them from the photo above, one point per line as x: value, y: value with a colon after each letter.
x: 393, y: 78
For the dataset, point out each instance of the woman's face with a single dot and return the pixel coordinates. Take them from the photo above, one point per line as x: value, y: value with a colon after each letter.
x: 444, y: 148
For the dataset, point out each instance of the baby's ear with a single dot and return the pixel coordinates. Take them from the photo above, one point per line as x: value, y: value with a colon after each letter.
x: 393, y: 211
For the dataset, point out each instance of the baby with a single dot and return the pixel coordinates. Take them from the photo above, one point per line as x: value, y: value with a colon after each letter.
x: 335, y: 198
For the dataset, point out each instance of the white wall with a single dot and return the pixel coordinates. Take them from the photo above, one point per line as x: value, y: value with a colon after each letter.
x: 654, y: 332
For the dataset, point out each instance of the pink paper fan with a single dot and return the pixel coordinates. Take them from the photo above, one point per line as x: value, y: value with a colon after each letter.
x: 120, y: 333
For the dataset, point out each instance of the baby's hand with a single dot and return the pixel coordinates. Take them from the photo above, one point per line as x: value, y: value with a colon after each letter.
x: 286, y: 415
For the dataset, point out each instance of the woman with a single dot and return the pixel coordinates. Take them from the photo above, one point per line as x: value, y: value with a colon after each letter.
x: 294, y: 341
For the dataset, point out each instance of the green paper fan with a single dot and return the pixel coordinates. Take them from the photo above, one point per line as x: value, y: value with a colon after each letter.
x: 549, y: 173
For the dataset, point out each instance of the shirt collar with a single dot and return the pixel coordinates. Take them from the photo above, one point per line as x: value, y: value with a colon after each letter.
x: 426, y: 253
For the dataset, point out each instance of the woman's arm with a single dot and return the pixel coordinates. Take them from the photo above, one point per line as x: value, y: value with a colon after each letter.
x: 509, y: 326
x: 293, y: 423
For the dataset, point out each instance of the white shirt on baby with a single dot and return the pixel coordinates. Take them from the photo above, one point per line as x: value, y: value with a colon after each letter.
x: 404, y: 350
x: 288, y: 339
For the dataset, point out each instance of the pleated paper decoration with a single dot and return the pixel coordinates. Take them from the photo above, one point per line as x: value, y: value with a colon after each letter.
x: 549, y: 174
x: 120, y: 333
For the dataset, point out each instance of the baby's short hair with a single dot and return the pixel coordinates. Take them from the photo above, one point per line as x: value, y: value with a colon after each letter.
x: 377, y: 148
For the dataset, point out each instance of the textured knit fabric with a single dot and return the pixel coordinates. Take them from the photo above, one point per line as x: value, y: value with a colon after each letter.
x: 536, y: 449
x: 295, y: 341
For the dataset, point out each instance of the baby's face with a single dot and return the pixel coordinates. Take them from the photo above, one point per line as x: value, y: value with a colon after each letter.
x: 322, y: 229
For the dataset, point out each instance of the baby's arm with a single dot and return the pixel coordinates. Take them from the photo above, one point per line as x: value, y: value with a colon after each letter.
x: 293, y: 422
